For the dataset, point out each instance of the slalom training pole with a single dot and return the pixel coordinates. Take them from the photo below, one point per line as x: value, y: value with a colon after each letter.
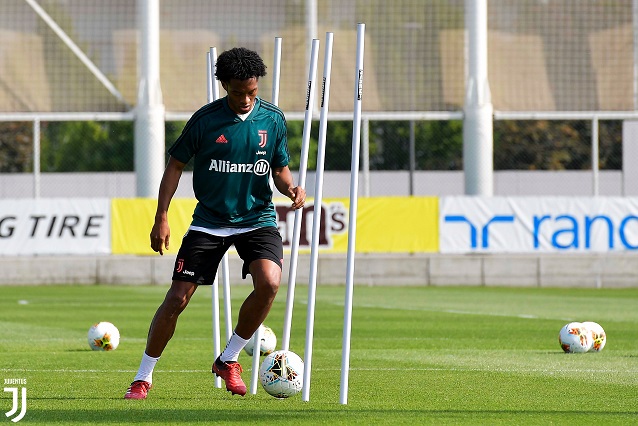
x: 303, y: 165
x: 225, y: 270
x: 254, y: 375
x: 276, y: 71
x: 316, y: 222
x: 352, y: 224
x: 210, y: 86
x: 212, y: 79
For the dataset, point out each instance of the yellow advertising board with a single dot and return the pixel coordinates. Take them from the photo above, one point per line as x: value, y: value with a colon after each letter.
x: 384, y: 224
x: 133, y: 218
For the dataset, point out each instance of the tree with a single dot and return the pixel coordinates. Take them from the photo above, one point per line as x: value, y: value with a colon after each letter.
x: 87, y: 146
x: 438, y: 145
x: 541, y: 145
x: 518, y: 145
x: 555, y: 145
x: 16, y: 147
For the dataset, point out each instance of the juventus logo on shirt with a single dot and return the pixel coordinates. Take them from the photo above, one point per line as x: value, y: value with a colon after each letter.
x: 263, y: 138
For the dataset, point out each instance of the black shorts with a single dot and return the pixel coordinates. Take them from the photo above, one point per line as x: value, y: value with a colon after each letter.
x: 199, y: 256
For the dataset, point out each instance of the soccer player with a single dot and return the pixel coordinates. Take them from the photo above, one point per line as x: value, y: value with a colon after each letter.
x: 235, y: 142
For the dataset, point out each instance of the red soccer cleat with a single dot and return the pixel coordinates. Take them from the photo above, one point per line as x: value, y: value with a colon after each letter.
x: 137, y: 390
x: 231, y: 373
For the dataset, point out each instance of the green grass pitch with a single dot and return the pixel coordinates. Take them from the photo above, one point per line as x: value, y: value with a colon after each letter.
x: 419, y: 355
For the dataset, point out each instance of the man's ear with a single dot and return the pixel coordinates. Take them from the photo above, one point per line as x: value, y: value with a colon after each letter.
x: 224, y: 86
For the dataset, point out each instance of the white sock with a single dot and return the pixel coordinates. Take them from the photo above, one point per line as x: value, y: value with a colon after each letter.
x: 233, y: 348
x: 145, y: 372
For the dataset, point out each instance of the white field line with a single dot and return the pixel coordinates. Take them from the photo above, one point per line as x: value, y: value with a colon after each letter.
x: 452, y: 311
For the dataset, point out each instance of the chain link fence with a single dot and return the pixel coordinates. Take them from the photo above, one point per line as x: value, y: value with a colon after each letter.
x: 63, y: 60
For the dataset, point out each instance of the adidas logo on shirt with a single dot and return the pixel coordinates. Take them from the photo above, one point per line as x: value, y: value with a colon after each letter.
x: 221, y: 139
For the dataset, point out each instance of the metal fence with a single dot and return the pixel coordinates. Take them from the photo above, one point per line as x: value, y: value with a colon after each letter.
x: 562, y: 77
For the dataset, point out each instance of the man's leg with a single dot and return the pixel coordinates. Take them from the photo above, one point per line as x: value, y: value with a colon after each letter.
x: 165, y: 319
x: 266, y: 277
x: 160, y: 332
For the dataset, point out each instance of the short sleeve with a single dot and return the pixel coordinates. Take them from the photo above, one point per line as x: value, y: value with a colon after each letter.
x: 281, y: 156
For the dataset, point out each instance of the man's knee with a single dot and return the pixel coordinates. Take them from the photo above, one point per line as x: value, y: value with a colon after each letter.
x: 266, y: 277
x: 269, y: 287
x: 177, y: 298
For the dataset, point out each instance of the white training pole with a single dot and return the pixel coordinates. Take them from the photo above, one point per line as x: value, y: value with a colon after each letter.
x: 213, y: 79
x: 210, y: 84
x: 210, y: 97
x: 276, y: 71
x: 254, y: 377
x: 303, y: 164
x: 216, y: 337
x: 225, y: 271
x: 316, y: 222
x: 275, y: 82
x: 254, y: 374
x: 352, y: 224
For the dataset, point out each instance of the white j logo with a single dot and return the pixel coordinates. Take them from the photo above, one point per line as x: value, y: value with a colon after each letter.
x: 14, y: 409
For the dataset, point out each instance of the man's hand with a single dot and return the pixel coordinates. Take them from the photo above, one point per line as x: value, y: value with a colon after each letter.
x: 160, y: 235
x: 161, y: 232
x: 298, y: 197
x: 283, y: 181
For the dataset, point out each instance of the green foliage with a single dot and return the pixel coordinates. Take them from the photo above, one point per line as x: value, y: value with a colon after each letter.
x: 172, y: 132
x: 16, y: 147
x: 424, y: 355
x: 610, y: 145
x: 87, y: 146
x: 550, y: 145
x: 438, y: 145
x: 338, y: 152
x: 94, y: 146
x: 295, y: 138
x: 339, y: 145
x: 518, y: 145
x: 555, y: 145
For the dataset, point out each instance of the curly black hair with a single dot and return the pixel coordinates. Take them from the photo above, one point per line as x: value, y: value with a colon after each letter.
x: 239, y: 63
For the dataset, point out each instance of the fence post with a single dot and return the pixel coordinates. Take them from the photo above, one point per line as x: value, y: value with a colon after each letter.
x: 477, y: 123
x: 595, y: 156
x: 149, y: 113
x: 365, y: 156
x: 36, y: 158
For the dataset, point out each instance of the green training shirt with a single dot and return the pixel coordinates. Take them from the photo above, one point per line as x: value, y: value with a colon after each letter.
x: 233, y: 159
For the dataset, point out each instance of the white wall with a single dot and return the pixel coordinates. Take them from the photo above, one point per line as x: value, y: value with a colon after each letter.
x: 336, y: 184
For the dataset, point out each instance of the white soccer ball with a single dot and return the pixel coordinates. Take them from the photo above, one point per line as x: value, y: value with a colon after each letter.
x: 103, y: 336
x: 598, y: 335
x: 575, y: 338
x: 268, y: 341
x: 281, y: 374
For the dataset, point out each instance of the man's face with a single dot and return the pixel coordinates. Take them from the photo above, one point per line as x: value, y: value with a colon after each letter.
x: 241, y: 94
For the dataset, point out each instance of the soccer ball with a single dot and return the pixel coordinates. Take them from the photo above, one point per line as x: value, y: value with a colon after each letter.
x: 103, y: 336
x: 268, y: 342
x: 281, y: 374
x: 575, y: 338
x: 599, y: 338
